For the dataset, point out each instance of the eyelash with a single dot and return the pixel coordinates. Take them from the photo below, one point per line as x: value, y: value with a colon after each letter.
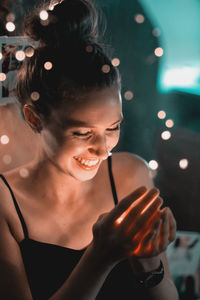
x: 89, y: 132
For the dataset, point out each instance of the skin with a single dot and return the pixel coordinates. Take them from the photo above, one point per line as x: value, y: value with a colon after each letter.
x: 71, y: 201
x: 21, y: 138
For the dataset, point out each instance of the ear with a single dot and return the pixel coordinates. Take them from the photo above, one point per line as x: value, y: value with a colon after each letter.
x: 32, y: 118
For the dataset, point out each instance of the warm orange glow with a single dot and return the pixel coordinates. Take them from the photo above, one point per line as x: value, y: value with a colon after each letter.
x: 137, y: 250
x: 124, y: 214
x: 121, y: 218
x: 148, y: 205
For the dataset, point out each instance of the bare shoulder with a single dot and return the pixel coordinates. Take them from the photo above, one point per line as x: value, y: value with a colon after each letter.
x: 3, y: 198
x: 130, y: 172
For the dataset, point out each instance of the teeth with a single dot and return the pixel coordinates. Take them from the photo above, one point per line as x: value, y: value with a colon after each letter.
x: 88, y: 163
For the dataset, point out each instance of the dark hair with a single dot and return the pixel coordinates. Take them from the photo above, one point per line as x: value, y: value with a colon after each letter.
x: 69, y: 41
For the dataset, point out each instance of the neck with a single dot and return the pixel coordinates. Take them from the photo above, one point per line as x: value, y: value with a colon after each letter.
x: 56, y: 186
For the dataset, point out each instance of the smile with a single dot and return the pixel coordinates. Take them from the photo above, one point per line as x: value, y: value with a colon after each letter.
x: 87, y: 164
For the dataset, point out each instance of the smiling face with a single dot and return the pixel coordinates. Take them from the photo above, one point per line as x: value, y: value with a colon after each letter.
x: 81, y: 136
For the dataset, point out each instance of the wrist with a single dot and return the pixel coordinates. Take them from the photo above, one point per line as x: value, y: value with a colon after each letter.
x: 149, y: 279
x: 99, y: 258
x: 144, y: 265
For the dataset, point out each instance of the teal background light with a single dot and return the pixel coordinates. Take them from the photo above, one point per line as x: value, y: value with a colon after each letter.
x: 179, y: 23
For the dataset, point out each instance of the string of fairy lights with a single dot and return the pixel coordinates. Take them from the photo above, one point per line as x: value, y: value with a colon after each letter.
x: 20, y: 55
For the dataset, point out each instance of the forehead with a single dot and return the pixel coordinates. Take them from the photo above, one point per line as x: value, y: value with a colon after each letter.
x: 94, y: 107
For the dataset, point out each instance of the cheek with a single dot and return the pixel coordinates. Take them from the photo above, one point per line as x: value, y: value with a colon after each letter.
x: 72, y: 147
x: 113, y: 141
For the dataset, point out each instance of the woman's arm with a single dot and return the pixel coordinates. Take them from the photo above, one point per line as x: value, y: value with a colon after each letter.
x: 140, y: 174
x: 165, y: 290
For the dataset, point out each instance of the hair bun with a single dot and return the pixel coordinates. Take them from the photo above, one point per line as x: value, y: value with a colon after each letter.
x: 68, y: 21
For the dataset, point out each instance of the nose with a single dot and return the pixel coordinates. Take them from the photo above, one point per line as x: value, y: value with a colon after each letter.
x: 99, y: 147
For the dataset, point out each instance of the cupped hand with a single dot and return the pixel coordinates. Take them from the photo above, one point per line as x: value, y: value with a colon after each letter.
x: 133, y: 227
x: 160, y: 233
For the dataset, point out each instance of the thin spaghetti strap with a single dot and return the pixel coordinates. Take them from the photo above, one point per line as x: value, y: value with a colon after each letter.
x: 17, y: 208
x: 112, y: 180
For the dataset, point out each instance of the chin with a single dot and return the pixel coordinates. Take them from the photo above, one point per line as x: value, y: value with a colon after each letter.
x: 84, y: 176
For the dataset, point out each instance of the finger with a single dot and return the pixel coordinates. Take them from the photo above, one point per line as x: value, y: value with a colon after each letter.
x: 138, y: 206
x: 148, y: 226
x: 123, y: 205
x: 155, y: 215
x: 145, y: 246
x: 164, y: 231
x: 172, y: 227
x: 138, y: 223
x: 154, y: 246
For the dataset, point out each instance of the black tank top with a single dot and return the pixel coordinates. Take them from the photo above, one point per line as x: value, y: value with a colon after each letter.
x: 48, y: 266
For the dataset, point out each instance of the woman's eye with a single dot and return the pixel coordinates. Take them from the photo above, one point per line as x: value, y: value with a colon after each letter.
x: 115, y: 128
x: 78, y: 133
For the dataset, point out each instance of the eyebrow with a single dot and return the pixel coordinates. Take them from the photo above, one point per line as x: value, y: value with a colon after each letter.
x: 77, y: 123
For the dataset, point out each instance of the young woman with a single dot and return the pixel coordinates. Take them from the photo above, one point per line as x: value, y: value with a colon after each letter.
x: 83, y: 224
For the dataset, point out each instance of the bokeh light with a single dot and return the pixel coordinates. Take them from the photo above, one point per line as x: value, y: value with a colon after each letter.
x: 89, y: 48
x: 169, y: 123
x: 115, y: 62
x: 128, y: 95
x: 35, y: 96
x: 166, y: 135
x: 20, y: 55
x: 29, y: 51
x: 1, y: 55
x: 10, y: 26
x: 159, y: 51
x: 24, y: 172
x: 4, y: 139
x: 7, y: 159
x: 2, y: 76
x: 153, y: 164
x: 161, y: 114
x: 183, y: 163
x: 139, y: 18
x: 48, y: 65
x: 44, y: 15
x: 105, y: 68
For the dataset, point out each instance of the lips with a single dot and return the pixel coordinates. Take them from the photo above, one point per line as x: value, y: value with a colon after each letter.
x: 87, y: 164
